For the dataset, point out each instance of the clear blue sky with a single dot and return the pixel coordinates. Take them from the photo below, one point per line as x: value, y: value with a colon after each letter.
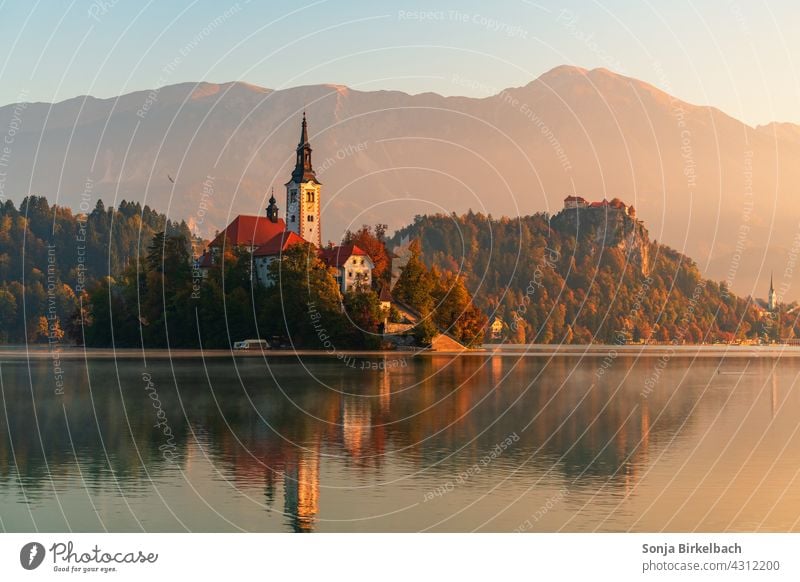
x: 739, y: 55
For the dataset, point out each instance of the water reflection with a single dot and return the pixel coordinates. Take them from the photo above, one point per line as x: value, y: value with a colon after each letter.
x: 325, y: 446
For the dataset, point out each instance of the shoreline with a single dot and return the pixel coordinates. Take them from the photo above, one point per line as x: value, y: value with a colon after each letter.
x: 11, y: 354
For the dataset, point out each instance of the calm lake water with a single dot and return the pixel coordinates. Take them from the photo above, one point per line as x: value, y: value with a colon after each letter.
x: 438, y: 443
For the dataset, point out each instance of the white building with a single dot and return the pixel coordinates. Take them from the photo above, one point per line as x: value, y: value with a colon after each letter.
x: 353, y: 266
x: 270, y: 252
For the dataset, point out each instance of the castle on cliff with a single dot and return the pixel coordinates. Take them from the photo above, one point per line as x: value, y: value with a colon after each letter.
x: 613, y: 224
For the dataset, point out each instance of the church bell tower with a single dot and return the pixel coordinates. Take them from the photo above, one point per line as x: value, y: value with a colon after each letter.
x: 303, y: 194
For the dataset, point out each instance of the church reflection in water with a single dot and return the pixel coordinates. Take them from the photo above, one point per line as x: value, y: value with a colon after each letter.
x: 279, y: 430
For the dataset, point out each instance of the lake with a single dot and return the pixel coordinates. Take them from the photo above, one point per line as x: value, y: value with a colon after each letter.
x: 644, y: 440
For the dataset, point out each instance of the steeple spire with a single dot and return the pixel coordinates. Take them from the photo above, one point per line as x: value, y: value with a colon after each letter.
x: 303, y: 170
x: 304, y: 132
x: 772, y: 297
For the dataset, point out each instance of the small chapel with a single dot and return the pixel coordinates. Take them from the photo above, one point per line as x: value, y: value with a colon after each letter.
x: 267, y: 237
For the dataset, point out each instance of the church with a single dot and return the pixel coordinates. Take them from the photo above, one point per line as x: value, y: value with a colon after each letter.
x: 267, y: 237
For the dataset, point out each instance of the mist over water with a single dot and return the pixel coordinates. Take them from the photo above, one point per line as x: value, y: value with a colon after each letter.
x: 443, y: 443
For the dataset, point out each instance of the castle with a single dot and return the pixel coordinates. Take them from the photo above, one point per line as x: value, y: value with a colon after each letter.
x: 268, y: 237
x: 577, y: 202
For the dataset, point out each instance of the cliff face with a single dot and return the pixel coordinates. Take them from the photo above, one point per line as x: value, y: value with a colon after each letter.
x: 607, y: 227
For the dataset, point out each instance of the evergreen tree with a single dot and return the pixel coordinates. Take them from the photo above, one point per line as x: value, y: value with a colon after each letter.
x: 416, y: 284
x: 363, y: 310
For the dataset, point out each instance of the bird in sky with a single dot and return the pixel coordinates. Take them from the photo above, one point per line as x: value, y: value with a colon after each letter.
x: 170, y: 178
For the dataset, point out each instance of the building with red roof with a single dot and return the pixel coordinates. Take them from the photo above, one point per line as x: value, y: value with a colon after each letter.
x: 271, y: 251
x: 353, y: 265
x: 574, y: 202
x: 248, y: 230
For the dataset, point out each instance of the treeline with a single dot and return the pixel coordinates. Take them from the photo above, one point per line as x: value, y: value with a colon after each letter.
x: 551, y: 284
x: 161, y: 301
x: 50, y: 256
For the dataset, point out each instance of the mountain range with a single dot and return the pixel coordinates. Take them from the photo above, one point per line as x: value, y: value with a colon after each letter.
x: 707, y: 184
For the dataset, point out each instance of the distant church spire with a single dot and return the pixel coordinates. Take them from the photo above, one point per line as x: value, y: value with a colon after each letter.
x: 771, y: 297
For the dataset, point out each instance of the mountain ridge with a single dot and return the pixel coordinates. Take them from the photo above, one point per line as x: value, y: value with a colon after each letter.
x: 387, y: 155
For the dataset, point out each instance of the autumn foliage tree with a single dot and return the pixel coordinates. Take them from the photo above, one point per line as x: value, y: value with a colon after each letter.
x: 416, y: 283
x: 441, y: 298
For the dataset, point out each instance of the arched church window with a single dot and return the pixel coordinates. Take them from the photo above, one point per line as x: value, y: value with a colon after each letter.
x: 309, y: 197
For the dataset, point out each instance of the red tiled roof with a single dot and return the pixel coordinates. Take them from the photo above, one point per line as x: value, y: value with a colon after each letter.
x: 278, y: 244
x: 248, y: 230
x: 204, y: 261
x: 574, y: 199
x: 337, y: 256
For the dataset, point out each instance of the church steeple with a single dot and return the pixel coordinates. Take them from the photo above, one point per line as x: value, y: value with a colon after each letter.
x: 303, y: 170
x: 303, y: 208
x: 771, y: 297
x: 304, y: 131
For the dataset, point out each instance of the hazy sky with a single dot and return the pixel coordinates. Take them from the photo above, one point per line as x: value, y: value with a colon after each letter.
x: 741, y: 56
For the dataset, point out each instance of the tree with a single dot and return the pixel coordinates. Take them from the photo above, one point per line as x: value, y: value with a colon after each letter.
x: 8, y: 313
x: 304, y: 302
x: 455, y: 312
x: 424, y: 332
x: 472, y: 326
x: 416, y: 284
x: 363, y: 309
x: 42, y: 330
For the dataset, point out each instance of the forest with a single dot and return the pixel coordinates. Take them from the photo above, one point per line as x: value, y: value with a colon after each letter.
x: 50, y: 257
x: 550, y: 281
